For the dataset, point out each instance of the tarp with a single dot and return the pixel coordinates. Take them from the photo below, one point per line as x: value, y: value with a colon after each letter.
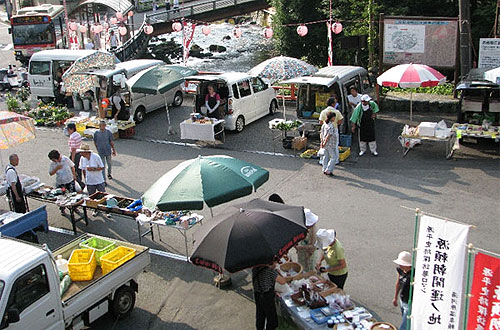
x: 493, y: 75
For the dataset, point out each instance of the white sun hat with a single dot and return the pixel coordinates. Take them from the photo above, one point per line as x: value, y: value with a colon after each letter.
x: 404, y: 259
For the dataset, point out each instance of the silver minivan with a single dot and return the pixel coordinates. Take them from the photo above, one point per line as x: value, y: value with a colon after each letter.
x: 314, y: 91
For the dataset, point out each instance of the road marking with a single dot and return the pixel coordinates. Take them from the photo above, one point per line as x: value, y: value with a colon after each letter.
x: 8, y: 47
x: 160, y: 253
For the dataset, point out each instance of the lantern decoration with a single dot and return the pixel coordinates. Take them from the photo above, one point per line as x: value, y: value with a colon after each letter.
x: 148, y: 29
x: 130, y: 13
x: 302, y: 30
x: 113, y: 20
x: 206, y: 30
x: 176, y: 26
x: 268, y: 33
x: 337, y: 27
x: 119, y: 15
x: 83, y: 28
x: 122, y: 30
x: 237, y: 32
x: 73, y: 26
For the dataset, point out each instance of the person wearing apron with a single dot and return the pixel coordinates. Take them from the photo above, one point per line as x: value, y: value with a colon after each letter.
x: 15, y: 189
x: 363, y: 117
x: 212, y: 102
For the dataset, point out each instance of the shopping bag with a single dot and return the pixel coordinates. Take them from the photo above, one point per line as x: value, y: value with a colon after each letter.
x: 321, y: 152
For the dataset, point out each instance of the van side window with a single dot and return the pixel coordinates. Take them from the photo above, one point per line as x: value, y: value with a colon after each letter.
x: 258, y: 85
x: 28, y: 288
x: 236, y: 94
x: 244, y: 87
x: 40, y: 68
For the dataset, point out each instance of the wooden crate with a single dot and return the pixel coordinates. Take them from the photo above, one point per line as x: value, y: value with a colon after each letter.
x: 95, y: 199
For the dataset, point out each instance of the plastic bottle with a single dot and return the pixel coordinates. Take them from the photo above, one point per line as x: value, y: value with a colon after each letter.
x: 65, y: 283
x: 62, y: 264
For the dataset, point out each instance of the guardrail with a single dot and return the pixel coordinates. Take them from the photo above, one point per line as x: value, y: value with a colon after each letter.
x: 134, y: 46
x: 194, y: 9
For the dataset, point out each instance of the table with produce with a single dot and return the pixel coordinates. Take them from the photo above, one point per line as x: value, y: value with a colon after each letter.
x: 87, y: 126
x: 313, y: 302
x: 428, y: 131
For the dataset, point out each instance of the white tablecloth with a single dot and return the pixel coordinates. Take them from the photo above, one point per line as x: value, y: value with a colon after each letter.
x: 197, y: 131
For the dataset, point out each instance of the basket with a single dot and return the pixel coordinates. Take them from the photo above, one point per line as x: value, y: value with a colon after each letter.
x: 101, y: 247
x: 82, y: 265
x: 116, y: 258
x: 287, y: 266
x: 382, y: 326
x: 344, y: 153
x: 298, y: 299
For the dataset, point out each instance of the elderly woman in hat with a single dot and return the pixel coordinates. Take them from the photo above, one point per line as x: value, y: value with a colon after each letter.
x: 363, y: 118
x: 403, y: 284
x: 306, y: 247
x: 333, y: 254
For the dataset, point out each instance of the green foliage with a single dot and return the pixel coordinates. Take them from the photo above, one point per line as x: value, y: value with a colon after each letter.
x: 23, y: 94
x: 13, y: 104
x: 49, y: 114
x: 445, y: 89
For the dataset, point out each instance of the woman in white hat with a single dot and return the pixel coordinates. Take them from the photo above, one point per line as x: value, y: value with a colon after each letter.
x: 363, y: 117
x: 306, y: 247
x: 403, y: 285
x: 333, y: 254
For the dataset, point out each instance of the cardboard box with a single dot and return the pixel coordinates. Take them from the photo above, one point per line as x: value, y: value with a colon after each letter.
x: 426, y: 128
x: 299, y: 143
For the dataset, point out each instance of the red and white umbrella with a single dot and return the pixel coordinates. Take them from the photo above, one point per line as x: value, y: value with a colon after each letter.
x: 411, y: 76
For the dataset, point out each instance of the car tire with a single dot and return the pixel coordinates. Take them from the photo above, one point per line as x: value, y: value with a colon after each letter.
x: 139, y: 115
x: 178, y: 99
x: 240, y: 124
x: 272, y: 107
x: 123, y: 302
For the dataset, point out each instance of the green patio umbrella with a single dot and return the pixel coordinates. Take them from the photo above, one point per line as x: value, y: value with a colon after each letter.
x: 212, y: 180
x: 158, y: 80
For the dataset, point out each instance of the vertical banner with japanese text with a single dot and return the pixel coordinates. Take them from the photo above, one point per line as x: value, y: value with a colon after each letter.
x: 484, y: 307
x: 439, y: 272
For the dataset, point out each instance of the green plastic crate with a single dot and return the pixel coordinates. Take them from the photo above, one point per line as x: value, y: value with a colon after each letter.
x: 101, y: 246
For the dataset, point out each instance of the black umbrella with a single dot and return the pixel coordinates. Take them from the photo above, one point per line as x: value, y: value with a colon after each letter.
x: 250, y: 234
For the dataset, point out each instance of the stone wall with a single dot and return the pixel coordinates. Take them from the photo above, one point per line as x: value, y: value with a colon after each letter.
x: 421, y: 104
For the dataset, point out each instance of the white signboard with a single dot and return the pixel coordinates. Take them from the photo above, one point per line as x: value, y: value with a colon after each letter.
x: 402, y: 38
x: 489, y: 52
x: 439, y: 271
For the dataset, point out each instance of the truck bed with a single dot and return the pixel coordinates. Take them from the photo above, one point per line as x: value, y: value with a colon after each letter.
x: 34, y: 220
x: 81, y: 295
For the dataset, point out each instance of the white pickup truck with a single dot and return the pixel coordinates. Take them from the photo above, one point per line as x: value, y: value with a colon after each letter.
x: 30, y: 288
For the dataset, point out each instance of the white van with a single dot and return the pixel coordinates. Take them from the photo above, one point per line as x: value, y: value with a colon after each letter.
x: 244, y: 98
x: 43, y: 67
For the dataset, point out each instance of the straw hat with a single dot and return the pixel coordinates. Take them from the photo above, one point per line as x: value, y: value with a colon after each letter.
x: 404, y: 259
x: 84, y: 148
x: 325, y: 237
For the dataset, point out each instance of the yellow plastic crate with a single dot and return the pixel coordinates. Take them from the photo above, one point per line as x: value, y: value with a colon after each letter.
x: 82, y: 265
x: 344, y: 153
x: 101, y: 247
x: 115, y: 258
x: 80, y: 127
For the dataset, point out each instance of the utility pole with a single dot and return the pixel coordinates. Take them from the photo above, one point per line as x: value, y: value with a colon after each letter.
x: 371, y: 32
x: 465, y: 46
x: 495, y: 32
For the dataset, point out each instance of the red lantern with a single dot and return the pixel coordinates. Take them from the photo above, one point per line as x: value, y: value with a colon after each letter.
x: 148, y: 29
x: 119, y: 15
x: 176, y: 26
x: 122, y: 30
x: 237, y: 32
x: 337, y: 27
x: 73, y: 26
x: 130, y: 13
x: 83, y: 28
x: 268, y: 33
x: 302, y: 30
x: 206, y: 30
x: 113, y: 20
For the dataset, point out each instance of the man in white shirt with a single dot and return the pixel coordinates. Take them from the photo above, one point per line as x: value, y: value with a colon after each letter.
x: 64, y: 170
x: 92, y: 169
x: 354, y: 98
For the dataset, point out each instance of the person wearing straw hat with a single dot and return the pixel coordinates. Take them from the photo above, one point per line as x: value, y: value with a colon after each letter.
x: 333, y: 254
x: 306, y: 247
x: 403, y: 285
x: 363, y: 118
x: 92, y: 169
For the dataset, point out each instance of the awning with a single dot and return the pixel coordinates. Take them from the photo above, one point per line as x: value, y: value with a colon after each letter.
x: 123, y: 6
x: 321, y: 81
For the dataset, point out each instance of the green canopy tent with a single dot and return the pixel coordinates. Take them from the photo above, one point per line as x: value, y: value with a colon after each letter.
x: 158, y: 80
x: 212, y: 180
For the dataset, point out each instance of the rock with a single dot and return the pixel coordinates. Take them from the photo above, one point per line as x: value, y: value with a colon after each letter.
x: 226, y: 38
x: 217, y: 48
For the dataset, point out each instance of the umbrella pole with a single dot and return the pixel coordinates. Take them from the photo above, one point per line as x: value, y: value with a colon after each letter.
x: 211, y: 212
x: 284, y: 108
x: 170, y: 129
x: 411, y: 104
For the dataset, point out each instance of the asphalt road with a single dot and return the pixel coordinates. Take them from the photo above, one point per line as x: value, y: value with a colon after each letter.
x: 364, y: 203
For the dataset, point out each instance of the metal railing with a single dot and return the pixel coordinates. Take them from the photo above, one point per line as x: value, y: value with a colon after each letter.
x: 193, y: 9
x: 134, y: 46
